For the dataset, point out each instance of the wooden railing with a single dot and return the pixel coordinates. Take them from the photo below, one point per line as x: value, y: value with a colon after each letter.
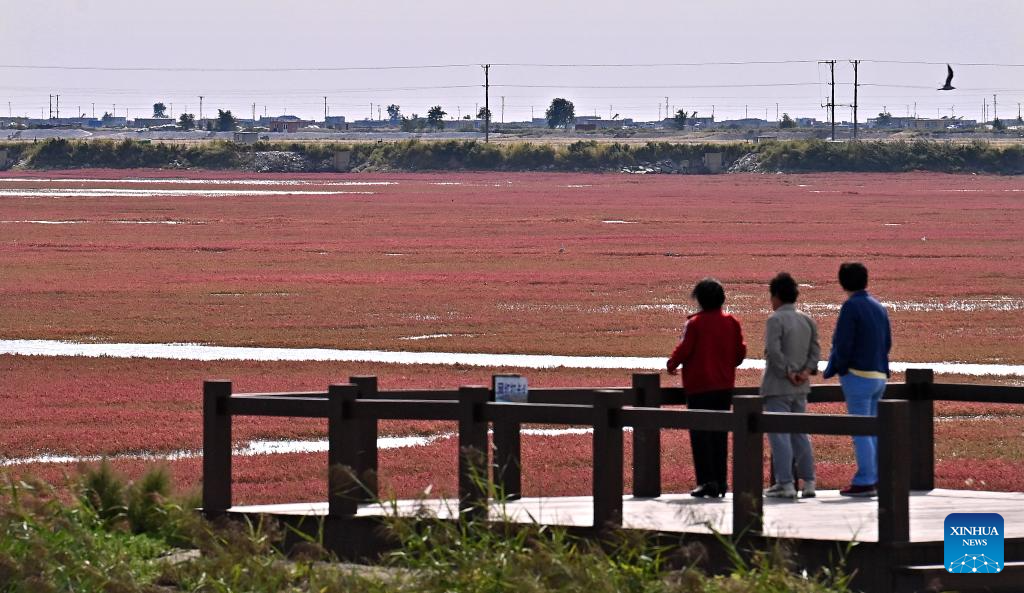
x: 904, y: 427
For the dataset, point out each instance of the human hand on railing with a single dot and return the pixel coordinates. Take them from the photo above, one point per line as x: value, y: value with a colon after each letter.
x: 672, y: 370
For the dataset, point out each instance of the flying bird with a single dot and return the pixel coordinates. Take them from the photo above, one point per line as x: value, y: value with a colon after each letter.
x: 949, y: 79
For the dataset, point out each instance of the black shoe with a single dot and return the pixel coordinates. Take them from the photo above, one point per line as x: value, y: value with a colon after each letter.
x: 709, y: 490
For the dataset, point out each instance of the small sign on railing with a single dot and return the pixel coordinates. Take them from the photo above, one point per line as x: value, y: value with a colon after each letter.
x: 510, y: 388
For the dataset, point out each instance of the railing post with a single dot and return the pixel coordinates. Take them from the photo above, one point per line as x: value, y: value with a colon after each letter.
x: 344, y: 490
x: 894, y: 460
x: 922, y: 428
x: 508, y: 461
x: 647, y: 441
x: 367, y: 457
x: 216, y: 448
x: 747, y: 465
x: 473, y: 451
x: 607, y: 459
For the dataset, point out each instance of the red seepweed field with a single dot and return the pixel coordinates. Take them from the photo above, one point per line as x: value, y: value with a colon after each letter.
x: 498, y: 263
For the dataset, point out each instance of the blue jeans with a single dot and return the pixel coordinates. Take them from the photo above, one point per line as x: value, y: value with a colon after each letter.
x: 862, y: 397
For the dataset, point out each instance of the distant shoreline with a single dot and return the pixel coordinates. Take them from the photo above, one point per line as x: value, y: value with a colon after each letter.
x: 414, y: 155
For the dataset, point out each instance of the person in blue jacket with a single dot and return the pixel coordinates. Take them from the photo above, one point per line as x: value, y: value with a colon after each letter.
x: 860, y: 357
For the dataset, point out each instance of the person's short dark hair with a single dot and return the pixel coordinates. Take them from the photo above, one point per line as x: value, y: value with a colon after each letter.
x: 784, y: 287
x: 853, y: 276
x: 709, y: 294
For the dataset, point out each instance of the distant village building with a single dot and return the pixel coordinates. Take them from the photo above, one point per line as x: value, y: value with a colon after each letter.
x: 921, y: 123
x: 109, y: 121
x: 747, y: 123
x: 692, y: 123
x: 335, y: 122
x: 284, y: 123
x: 370, y: 124
x: 594, y: 122
x: 152, y: 122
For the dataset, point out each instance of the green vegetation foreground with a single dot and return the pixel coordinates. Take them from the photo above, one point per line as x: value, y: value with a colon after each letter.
x: 113, y: 536
x: 585, y: 155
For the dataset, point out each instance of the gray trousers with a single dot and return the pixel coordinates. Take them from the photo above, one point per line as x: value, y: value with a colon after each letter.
x: 790, y: 447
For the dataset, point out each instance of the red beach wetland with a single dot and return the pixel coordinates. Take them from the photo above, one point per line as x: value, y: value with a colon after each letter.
x: 524, y: 263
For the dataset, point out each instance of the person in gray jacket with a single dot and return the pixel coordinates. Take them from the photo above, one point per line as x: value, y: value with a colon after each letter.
x: 791, y: 353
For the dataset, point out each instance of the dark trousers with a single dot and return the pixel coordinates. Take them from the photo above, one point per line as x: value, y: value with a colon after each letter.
x: 710, y: 448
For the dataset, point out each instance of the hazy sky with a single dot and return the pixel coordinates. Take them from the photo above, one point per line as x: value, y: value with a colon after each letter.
x: 253, y: 34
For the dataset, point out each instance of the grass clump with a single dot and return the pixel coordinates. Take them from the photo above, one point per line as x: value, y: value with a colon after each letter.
x: 46, y: 545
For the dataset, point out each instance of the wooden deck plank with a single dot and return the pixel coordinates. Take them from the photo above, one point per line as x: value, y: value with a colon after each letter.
x: 828, y: 517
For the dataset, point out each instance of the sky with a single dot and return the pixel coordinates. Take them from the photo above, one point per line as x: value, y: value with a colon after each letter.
x: 285, y: 57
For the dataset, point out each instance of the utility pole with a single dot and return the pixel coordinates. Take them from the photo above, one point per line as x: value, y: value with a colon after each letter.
x: 114, y: 114
x: 915, y: 109
x: 832, y: 103
x: 200, y: 108
x: 58, y: 106
x: 51, y: 107
x: 503, y: 109
x: 666, y: 108
x: 746, y: 112
x: 254, y: 115
x: 487, y: 102
x: 856, y: 84
x: 325, y: 111
x: 94, y: 111
x: 172, y: 110
x: 995, y: 108
x: 776, y: 112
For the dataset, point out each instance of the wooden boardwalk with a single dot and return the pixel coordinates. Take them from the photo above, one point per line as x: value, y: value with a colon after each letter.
x: 900, y: 533
x: 827, y: 517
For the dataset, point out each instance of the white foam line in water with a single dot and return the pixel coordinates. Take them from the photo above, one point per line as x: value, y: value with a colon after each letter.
x: 266, y: 447
x: 618, y: 222
x: 44, y: 221
x: 202, y: 352
x: 250, y: 449
x: 425, y: 337
x: 92, y: 192
x: 97, y: 221
x: 186, y: 181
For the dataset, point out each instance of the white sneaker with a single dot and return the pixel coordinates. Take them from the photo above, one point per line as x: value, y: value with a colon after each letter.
x: 781, y: 491
x: 808, y: 490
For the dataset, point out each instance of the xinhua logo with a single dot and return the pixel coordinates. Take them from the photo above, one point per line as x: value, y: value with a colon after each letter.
x: 973, y: 542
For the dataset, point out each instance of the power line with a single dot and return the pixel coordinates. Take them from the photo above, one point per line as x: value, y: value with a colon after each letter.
x: 922, y: 63
x: 660, y: 86
x: 465, y: 65
x: 204, y: 69
x: 656, y: 64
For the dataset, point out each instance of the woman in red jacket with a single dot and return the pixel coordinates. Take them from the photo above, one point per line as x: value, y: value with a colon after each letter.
x: 711, y: 348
